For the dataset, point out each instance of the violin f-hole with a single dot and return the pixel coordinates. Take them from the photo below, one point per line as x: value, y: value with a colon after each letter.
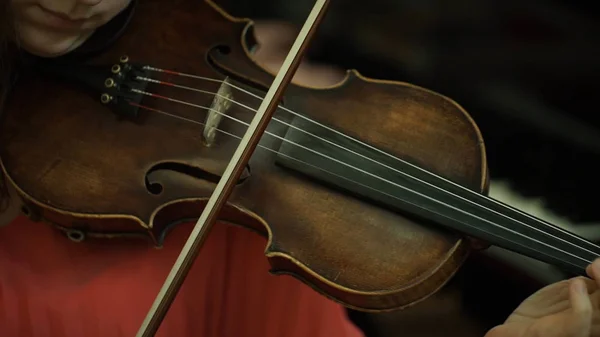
x: 156, y: 187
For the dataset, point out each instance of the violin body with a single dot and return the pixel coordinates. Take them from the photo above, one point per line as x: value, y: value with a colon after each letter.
x: 92, y: 173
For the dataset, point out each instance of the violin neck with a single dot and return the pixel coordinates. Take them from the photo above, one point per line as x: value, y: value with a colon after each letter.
x: 501, y: 225
x: 360, y: 170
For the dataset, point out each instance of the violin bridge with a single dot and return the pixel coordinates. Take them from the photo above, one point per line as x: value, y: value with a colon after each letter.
x: 220, y: 104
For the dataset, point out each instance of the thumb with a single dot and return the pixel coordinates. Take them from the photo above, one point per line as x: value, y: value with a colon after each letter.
x: 580, y: 319
x: 574, y: 322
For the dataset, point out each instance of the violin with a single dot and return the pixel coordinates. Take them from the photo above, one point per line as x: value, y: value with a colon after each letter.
x: 370, y: 191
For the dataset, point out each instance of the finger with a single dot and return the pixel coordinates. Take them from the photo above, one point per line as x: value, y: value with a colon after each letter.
x: 582, y: 308
x: 593, y: 271
x: 588, y: 269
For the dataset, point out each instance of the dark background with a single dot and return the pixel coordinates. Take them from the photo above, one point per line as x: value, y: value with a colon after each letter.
x: 526, y: 70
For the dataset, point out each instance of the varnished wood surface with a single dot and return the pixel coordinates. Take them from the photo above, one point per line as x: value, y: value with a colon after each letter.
x: 80, y: 167
x: 482, y: 295
x: 14, y: 208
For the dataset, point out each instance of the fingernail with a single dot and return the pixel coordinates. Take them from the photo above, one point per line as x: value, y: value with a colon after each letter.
x: 581, y: 287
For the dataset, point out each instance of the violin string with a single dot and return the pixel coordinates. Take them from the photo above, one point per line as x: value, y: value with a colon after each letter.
x: 355, y: 168
x: 469, y: 191
x: 587, y: 261
x: 354, y: 152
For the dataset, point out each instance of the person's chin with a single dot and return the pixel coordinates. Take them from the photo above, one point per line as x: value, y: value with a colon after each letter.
x: 45, y: 44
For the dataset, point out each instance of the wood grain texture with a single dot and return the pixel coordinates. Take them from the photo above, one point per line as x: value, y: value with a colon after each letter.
x: 80, y: 167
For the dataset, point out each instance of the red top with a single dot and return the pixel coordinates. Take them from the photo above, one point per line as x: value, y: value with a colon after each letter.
x: 52, y: 287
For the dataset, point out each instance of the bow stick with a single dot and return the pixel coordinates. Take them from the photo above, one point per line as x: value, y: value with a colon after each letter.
x: 232, y: 173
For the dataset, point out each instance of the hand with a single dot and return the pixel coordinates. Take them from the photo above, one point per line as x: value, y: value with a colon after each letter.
x: 568, y: 308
